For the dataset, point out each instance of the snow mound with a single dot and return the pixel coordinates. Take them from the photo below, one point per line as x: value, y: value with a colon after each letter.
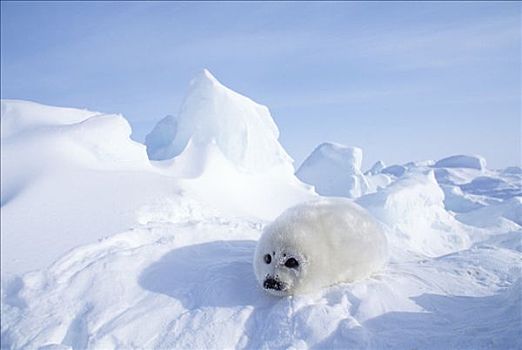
x: 19, y: 116
x: 413, y: 208
x: 178, y: 272
x: 62, y: 167
x: 460, y: 202
x: 65, y: 172
x: 175, y: 286
x: 492, y: 186
x: 159, y: 140
x: 211, y: 113
x: 484, y: 186
x: 210, y: 177
x: 462, y: 161
x: 496, y: 215
x: 456, y: 176
x: 38, y: 134
x: 335, y: 170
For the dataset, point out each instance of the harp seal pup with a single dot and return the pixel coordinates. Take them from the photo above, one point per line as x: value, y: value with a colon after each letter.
x: 317, y: 244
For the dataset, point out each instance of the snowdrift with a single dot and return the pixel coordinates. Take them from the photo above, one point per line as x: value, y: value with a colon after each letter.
x: 335, y: 170
x: 91, y: 139
x: 211, y: 113
x: 69, y: 177
x: 62, y: 167
x: 414, y: 210
x: 462, y: 161
x: 175, y: 285
x: 102, y: 248
x: 503, y: 214
x: 224, y: 148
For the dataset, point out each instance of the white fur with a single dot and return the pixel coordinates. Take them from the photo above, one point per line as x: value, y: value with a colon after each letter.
x: 333, y: 239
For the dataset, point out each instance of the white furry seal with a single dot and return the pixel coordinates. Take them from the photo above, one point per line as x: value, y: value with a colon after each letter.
x: 317, y: 244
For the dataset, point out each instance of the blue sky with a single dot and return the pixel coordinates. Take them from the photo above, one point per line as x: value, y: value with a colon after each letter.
x: 404, y: 81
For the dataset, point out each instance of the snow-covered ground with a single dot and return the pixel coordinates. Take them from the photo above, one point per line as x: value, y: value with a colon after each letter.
x: 102, y: 248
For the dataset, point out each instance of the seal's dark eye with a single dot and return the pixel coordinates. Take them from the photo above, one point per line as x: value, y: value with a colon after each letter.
x: 267, y: 258
x: 292, y: 263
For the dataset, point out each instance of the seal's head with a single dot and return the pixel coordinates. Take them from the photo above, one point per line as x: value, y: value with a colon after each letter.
x: 280, y: 271
x: 280, y: 262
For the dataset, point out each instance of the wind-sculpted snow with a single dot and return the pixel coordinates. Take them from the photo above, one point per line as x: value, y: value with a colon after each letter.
x: 503, y: 214
x: 62, y: 167
x: 413, y: 208
x: 42, y: 138
x: 243, y: 130
x: 184, y: 279
x: 462, y: 161
x: 176, y: 286
x: 224, y: 149
x: 494, y: 187
x: 458, y: 201
x: 22, y: 116
x: 335, y: 170
x: 102, y: 249
x: 467, y: 190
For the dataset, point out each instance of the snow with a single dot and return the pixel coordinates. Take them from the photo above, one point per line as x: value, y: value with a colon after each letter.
x: 20, y: 116
x: 395, y: 170
x: 139, y: 300
x: 510, y: 209
x: 512, y: 170
x: 159, y: 139
x: 376, y: 168
x: 102, y: 248
x: 62, y: 167
x: 59, y: 171
x: 462, y: 161
x: 413, y: 209
x: 77, y: 137
x: 263, y: 195
x: 458, y: 201
x: 492, y: 186
x: 335, y: 170
x: 243, y: 130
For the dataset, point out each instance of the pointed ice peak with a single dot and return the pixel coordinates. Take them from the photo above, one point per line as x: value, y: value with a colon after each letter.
x: 206, y: 73
x: 212, y: 114
x: 204, y: 77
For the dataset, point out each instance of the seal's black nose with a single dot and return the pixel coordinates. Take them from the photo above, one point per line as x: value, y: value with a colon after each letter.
x: 271, y: 283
